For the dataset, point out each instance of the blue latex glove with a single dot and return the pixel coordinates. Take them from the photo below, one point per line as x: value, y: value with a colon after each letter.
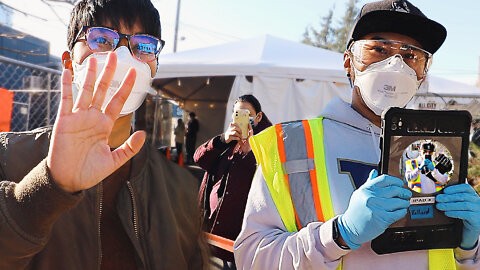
x: 373, y: 207
x: 427, y: 163
x: 462, y: 202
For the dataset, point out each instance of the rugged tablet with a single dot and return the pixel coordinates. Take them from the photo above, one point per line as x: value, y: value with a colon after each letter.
x: 429, y: 151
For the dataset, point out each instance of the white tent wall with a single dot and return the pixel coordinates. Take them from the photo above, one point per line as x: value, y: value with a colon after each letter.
x: 287, y: 99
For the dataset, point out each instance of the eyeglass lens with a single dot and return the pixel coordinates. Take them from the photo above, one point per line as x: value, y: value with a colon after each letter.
x: 143, y: 47
x: 372, y: 51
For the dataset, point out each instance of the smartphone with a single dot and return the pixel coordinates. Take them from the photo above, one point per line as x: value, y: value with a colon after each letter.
x: 241, y: 117
x: 409, y: 137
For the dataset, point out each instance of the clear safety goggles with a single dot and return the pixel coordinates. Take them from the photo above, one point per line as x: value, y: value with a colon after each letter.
x: 368, y: 52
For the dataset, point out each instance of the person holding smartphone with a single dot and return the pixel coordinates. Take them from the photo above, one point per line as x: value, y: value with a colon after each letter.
x: 316, y: 201
x: 229, y: 166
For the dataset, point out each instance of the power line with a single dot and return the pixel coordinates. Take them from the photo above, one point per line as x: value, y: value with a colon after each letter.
x: 50, y: 23
x: 55, y: 12
x: 23, y: 12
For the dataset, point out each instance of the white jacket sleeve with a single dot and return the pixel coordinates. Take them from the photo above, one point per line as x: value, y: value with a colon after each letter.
x: 442, y: 178
x: 468, y: 259
x: 265, y: 243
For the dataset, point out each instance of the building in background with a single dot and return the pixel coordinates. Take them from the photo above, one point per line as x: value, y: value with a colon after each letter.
x: 32, y: 74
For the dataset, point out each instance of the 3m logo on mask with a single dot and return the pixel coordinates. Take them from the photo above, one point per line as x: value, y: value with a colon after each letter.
x: 389, y: 88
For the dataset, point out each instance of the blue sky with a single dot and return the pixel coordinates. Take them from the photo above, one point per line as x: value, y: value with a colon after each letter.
x: 217, y: 21
x: 209, y: 22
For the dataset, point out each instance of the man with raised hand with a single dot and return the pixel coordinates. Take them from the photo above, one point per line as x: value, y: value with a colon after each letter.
x: 89, y: 194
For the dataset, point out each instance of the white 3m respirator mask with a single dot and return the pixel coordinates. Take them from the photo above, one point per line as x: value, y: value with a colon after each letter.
x: 388, y: 83
x: 125, y: 60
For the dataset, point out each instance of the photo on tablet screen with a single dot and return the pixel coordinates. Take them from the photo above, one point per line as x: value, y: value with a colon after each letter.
x: 426, y: 166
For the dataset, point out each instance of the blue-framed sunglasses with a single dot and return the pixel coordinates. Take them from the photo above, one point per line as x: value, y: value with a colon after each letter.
x: 101, y: 40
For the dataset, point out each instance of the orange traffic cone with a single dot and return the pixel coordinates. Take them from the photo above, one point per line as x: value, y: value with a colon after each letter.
x: 167, y: 153
x: 180, y: 159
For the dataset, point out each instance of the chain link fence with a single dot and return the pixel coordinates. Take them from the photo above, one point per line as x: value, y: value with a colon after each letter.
x: 36, y: 93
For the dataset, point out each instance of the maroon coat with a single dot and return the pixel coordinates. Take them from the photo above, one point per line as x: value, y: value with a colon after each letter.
x: 227, y: 207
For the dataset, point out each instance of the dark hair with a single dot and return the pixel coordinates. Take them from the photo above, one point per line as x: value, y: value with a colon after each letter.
x: 255, y: 104
x: 192, y: 114
x: 115, y: 13
x: 252, y: 100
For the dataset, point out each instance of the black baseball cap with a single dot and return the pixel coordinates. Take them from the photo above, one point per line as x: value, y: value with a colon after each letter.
x: 428, y: 146
x: 398, y: 16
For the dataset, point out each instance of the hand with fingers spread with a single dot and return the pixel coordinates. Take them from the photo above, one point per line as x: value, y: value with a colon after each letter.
x: 79, y: 156
x: 462, y: 202
x: 373, y: 207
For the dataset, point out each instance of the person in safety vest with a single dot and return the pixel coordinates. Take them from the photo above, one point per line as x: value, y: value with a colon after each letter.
x: 425, y: 175
x: 316, y: 201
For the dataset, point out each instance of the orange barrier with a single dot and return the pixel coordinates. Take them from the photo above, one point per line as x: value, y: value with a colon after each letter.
x: 220, y: 242
x: 167, y: 153
x: 6, y: 106
x: 180, y: 159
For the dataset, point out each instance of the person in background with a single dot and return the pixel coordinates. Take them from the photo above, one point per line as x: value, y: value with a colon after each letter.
x: 89, y: 194
x: 316, y: 200
x: 179, y: 133
x: 191, y: 136
x: 230, y: 165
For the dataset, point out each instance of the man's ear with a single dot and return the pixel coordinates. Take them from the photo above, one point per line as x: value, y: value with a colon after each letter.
x: 67, y: 60
x: 346, y: 62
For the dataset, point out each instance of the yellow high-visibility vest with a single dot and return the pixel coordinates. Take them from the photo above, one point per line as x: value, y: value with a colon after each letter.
x: 273, y: 150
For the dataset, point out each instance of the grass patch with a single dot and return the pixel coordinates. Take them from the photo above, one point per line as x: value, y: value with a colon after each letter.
x: 474, y: 167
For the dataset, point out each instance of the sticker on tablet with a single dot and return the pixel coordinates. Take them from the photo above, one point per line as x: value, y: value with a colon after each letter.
x: 421, y: 211
x: 422, y: 200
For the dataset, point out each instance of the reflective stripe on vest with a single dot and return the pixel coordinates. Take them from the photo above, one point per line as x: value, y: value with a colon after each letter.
x: 284, y: 152
x: 292, y: 172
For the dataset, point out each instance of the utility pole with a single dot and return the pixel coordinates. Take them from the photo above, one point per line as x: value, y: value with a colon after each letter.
x: 176, y: 27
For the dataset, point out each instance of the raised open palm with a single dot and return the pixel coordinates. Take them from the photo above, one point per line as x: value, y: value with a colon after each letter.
x: 79, y: 156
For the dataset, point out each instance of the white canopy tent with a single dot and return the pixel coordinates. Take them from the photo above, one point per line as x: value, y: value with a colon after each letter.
x: 291, y: 80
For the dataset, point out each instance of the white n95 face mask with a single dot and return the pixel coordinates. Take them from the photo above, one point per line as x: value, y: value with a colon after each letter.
x: 388, y: 83
x: 125, y: 60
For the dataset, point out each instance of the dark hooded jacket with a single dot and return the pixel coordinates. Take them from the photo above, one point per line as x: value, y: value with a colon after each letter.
x: 43, y: 227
